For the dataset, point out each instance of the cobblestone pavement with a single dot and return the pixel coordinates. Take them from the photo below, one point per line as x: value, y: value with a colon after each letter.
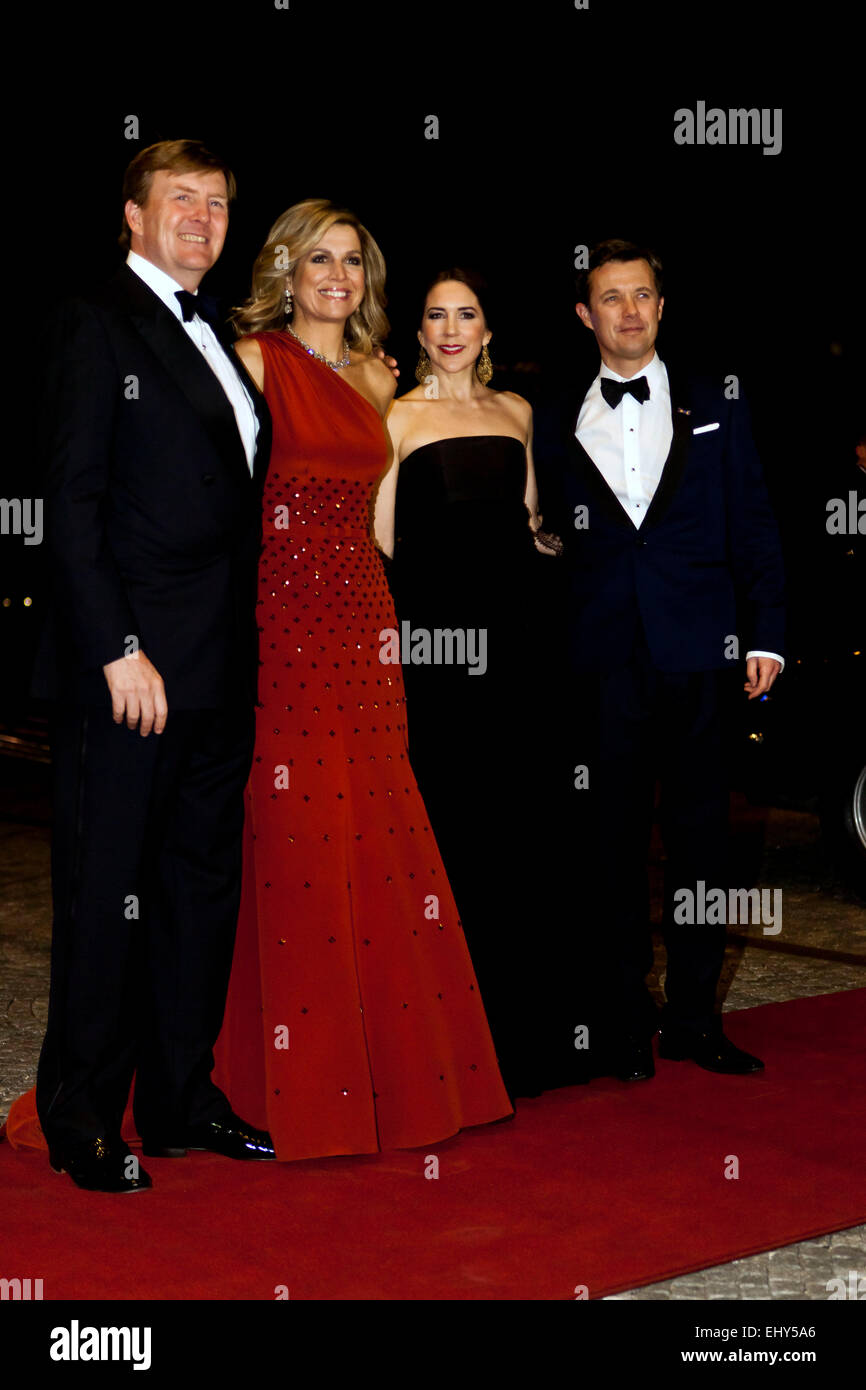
x: 821, y: 949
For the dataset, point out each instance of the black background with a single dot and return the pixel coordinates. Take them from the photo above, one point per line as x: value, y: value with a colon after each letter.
x: 555, y: 130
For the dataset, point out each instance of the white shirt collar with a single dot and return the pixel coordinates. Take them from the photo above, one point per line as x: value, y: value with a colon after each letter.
x: 157, y: 280
x: 653, y: 371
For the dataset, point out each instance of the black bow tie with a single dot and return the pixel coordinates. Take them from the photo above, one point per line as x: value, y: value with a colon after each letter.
x: 613, y: 391
x: 201, y: 304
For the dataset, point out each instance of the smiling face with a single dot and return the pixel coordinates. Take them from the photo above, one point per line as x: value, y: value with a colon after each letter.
x: 624, y: 314
x: 328, y: 283
x: 453, y: 330
x: 182, y: 225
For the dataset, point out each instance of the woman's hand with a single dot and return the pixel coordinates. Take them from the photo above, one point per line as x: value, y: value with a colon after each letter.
x: 547, y: 543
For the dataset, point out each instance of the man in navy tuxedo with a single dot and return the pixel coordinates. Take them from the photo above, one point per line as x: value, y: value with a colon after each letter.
x: 674, y: 574
x: 156, y: 451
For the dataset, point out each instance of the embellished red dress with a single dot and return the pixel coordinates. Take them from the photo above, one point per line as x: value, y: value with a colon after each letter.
x: 354, y: 1021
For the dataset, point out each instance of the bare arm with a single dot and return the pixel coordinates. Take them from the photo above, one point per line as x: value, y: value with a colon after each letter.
x: 520, y: 412
x: 382, y: 384
x: 530, y: 497
x: 545, y: 541
x: 386, y: 496
x: 250, y: 353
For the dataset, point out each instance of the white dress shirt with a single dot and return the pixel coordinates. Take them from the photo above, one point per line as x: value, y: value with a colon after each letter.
x: 208, y: 345
x: 629, y: 445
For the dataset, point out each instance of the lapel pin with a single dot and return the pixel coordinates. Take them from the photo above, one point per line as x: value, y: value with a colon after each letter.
x: 682, y: 410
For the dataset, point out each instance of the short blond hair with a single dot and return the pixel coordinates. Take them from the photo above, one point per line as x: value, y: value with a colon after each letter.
x: 294, y: 234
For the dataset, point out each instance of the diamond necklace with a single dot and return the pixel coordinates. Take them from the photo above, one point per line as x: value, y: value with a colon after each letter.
x: 320, y: 356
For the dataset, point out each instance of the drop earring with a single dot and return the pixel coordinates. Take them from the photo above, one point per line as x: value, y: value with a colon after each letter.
x: 484, y: 367
x: 422, y: 371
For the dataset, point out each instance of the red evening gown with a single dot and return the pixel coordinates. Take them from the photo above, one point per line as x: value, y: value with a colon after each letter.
x: 371, y: 1032
x: 354, y: 1021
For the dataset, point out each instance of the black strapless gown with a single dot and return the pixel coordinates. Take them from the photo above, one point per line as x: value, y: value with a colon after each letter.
x: 490, y: 751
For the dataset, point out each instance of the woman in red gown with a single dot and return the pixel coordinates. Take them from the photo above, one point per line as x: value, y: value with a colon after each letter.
x: 354, y: 1021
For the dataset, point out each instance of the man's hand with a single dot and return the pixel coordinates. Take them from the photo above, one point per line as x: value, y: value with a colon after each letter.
x: 137, y: 693
x: 761, y: 671
x: 389, y: 361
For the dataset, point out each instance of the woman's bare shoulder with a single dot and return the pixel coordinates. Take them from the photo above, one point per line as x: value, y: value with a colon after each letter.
x: 249, y: 350
x: 248, y: 347
x: 414, y: 396
x: 517, y: 403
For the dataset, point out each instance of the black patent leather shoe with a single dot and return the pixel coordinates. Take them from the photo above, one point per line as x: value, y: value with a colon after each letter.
x: 232, y: 1137
x: 100, y: 1166
x: 633, y: 1059
x: 711, y: 1050
x: 229, y: 1135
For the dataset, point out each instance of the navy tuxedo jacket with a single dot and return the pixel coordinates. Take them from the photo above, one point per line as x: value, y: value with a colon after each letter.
x: 153, y: 520
x: 705, y: 564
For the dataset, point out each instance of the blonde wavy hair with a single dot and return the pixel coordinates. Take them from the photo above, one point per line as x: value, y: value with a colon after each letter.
x: 294, y: 234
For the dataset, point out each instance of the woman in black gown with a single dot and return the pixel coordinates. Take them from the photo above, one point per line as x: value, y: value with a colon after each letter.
x: 458, y: 513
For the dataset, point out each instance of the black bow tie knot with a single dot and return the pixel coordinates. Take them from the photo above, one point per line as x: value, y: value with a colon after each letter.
x: 613, y: 391
x: 201, y: 304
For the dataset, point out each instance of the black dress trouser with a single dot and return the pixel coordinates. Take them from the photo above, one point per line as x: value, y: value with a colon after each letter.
x: 637, y: 726
x: 146, y: 875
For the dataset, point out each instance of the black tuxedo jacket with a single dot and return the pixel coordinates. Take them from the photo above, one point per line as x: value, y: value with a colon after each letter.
x: 153, y: 522
x: 706, y: 562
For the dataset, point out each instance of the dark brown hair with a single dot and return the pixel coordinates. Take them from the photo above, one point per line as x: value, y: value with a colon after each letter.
x: 473, y: 281
x: 176, y: 156
x: 605, y: 251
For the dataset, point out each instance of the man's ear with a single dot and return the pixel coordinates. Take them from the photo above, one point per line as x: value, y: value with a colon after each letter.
x: 661, y: 306
x: 583, y: 314
x: 132, y: 213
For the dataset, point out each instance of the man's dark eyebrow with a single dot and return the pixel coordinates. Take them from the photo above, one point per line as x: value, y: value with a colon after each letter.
x: 615, y: 289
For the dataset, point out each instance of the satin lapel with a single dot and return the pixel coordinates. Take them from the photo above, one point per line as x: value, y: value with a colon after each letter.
x: 678, y: 453
x: 595, y: 484
x: 185, y: 365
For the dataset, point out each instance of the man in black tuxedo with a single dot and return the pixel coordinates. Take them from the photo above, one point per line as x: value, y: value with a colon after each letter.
x: 158, y: 444
x: 674, y: 573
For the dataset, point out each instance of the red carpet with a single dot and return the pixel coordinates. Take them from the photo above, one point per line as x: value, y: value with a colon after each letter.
x: 604, y: 1185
